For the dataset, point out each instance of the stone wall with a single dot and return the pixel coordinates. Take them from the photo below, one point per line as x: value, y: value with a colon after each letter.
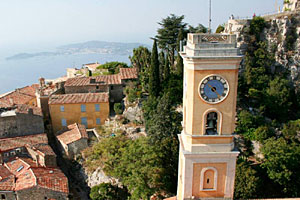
x: 20, y: 125
x: 37, y: 193
x: 9, y: 195
x: 86, y: 89
x: 76, y: 147
x: 116, y: 93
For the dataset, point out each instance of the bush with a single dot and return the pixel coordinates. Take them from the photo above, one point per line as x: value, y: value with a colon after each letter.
x: 118, y: 108
x: 107, y: 191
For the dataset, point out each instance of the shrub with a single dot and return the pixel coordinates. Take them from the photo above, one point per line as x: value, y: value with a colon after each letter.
x: 118, y: 108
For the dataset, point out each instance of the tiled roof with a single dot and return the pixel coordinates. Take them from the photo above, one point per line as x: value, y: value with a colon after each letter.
x: 7, y: 179
x: 128, y: 73
x: 29, y: 175
x: 98, y: 80
x: 43, y: 149
x: 75, y: 132
x: 51, y: 178
x: 79, y: 98
x: 125, y: 73
x: 13, y: 143
x: 19, y: 96
x: 23, y: 108
x: 92, y: 66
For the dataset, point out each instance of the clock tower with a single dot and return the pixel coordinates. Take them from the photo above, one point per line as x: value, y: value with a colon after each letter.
x: 207, y: 158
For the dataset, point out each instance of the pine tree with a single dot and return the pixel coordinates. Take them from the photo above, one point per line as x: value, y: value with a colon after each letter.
x: 154, y: 80
x: 179, y: 61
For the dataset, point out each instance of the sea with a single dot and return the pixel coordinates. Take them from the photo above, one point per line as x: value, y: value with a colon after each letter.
x: 22, y: 72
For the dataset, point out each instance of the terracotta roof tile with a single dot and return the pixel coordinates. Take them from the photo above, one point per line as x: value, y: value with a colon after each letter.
x: 98, y: 80
x: 75, y: 132
x: 16, y: 142
x: 51, y: 178
x: 19, y: 96
x: 7, y: 179
x: 128, y: 73
x: 79, y: 98
x: 43, y: 149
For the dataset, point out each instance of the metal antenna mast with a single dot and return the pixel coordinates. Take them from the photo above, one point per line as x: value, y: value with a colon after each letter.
x: 209, y: 22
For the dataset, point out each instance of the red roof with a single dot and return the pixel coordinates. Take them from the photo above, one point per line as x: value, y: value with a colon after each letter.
x: 42, y: 149
x: 125, y: 73
x: 98, y: 80
x: 26, y: 174
x: 19, y: 96
x: 7, y: 179
x: 75, y: 132
x: 128, y: 73
x: 79, y: 98
x: 16, y: 142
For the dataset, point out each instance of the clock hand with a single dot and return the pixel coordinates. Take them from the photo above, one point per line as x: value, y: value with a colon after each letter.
x: 214, y: 90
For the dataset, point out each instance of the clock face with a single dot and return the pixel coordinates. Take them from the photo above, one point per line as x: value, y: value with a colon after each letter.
x: 213, y: 89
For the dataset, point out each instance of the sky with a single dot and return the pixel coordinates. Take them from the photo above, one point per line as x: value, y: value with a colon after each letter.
x: 36, y: 25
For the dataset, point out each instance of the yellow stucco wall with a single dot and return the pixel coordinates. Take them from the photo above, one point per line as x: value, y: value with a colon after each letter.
x: 72, y: 113
x: 196, y: 107
x: 221, y: 178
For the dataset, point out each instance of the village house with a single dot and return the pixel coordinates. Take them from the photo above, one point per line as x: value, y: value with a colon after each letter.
x: 34, y: 146
x: 73, y: 139
x: 25, y: 95
x: 20, y: 120
x: 113, y: 84
x: 89, y: 109
x: 24, y: 179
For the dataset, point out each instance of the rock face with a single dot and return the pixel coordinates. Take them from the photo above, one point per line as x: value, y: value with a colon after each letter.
x: 282, y: 35
x: 98, y: 177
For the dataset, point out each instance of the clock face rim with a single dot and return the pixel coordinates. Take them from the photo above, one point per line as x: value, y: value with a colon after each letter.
x: 199, y: 87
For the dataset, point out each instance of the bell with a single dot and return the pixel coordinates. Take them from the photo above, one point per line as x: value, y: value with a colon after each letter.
x: 210, y: 124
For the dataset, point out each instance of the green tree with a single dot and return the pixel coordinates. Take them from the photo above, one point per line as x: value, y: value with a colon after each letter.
x: 247, y: 182
x: 141, y: 59
x: 168, y: 33
x: 220, y: 28
x: 162, y: 61
x: 154, y: 78
x: 179, y: 60
x: 118, y: 108
x: 291, y: 131
x: 198, y: 29
x: 113, y: 67
x: 281, y: 161
x: 257, y: 26
x: 166, y: 69
x: 107, y: 191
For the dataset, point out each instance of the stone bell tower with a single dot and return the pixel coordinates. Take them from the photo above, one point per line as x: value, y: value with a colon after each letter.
x: 207, y: 159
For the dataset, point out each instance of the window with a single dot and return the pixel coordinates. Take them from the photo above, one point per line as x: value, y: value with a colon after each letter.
x: 62, y: 108
x: 3, y: 196
x: 84, y: 121
x: 97, y: 87
x: 112, y: 87
x: 98, y: 121
x: 211, y: 124
x: 97, y: 107
x: 63, y: 122
x: 209, y: 179
x: 83, y: 108
x: 20, y: 168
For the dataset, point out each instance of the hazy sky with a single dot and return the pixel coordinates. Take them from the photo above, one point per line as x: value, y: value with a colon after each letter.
x: 36, y: 24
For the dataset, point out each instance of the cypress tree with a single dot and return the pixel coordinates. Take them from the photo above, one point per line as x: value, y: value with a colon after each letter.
x: 154, y: 80
x: 161, y: 65
x: 167, y: 69
x: 179, y: 61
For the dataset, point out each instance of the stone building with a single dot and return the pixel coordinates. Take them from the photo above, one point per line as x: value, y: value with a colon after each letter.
x: 34, y: 146
x: 89, y: 109
x: 24, y: 179
x: 20, y: 120
x: 113, y: 84
x: 25, y: 95
x: 73, y: 139
x: 291, y: 5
